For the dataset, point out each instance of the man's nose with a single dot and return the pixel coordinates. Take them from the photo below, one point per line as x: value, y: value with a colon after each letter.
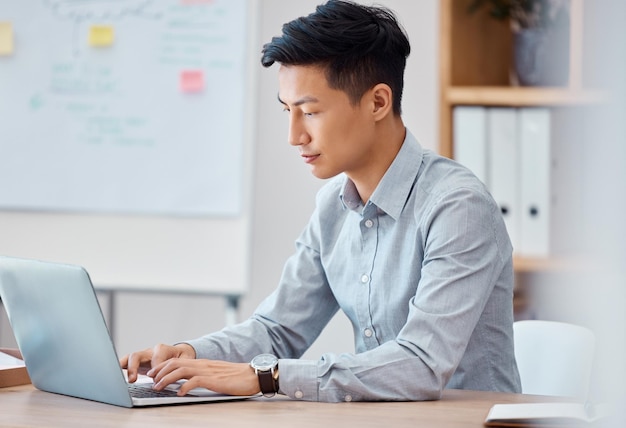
x: 297, y: 133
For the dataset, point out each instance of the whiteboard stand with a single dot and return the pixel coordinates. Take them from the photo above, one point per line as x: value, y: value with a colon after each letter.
x: 232, y: 309
x: 231, y: 299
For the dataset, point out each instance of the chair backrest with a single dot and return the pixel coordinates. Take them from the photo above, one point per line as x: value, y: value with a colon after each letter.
x: 554, y: 358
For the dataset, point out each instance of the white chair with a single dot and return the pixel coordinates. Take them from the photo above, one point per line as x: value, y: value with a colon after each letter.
x: 554, y: 358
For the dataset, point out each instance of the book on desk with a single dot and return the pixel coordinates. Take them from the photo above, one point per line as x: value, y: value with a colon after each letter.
x: 556, y: 414
x: 12, y: 369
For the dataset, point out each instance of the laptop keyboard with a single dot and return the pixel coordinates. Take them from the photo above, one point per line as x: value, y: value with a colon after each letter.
x: 146, y: 391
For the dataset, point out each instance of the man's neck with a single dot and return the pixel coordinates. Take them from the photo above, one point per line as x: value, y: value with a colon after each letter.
x: 390, y: 137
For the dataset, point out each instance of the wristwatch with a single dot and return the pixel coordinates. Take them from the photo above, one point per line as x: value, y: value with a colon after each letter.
x: 266, y: 368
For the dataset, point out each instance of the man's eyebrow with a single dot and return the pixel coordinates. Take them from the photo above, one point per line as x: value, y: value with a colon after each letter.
x: 303, y: 100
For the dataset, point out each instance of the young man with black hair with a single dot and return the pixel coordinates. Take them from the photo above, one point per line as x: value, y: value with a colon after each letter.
x: 408, y: 244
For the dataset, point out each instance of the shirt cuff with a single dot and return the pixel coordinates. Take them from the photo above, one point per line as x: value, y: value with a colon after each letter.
x: 298, y: 379
x: 203, y: 350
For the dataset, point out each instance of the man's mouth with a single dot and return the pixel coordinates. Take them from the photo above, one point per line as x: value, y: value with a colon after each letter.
x: 308, y: 158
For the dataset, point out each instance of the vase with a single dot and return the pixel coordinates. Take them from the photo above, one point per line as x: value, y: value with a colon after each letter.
x: 541, y: 54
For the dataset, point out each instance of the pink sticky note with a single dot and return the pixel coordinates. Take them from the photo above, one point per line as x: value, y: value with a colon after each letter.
x: 192, y: 81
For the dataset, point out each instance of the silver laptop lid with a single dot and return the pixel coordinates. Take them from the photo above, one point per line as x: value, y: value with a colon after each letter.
x: 60, y: 330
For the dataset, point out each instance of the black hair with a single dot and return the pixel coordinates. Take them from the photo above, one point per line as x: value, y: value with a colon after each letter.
x: 358, y: 46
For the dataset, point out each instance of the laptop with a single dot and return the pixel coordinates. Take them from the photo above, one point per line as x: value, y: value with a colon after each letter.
x: 60, y: 330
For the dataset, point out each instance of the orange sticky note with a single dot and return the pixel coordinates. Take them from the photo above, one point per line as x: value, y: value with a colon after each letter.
x: 101, y: 35
x: 192, y: 81
x: 6, y: 38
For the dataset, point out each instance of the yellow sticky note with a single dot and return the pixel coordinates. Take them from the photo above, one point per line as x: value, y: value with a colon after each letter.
x: 192, y: 81
x: 101, y: 35
x: 6, y: 38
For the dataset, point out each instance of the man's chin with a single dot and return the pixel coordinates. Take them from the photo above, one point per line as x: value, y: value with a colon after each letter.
x: 323, y: 175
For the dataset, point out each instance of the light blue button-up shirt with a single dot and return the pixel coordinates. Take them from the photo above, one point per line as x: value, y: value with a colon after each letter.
x: 423, y: 271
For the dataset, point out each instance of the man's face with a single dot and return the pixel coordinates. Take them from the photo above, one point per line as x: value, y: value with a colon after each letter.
x: 333, y: 135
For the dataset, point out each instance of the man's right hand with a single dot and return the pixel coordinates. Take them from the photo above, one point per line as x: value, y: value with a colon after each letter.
x: 141, y: 361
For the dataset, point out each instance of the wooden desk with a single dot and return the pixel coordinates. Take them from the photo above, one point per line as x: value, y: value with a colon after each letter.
x: 26, y: 406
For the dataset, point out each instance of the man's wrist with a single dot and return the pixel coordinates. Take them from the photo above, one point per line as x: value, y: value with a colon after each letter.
x: 186, y: 350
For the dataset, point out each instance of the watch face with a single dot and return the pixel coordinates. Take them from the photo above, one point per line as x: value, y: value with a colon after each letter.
x: 264, y: 362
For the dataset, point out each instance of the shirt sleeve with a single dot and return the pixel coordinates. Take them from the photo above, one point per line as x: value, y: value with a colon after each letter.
x: 288, y: 321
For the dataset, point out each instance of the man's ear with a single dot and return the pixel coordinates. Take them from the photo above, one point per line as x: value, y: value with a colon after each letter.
x: 382, y: 100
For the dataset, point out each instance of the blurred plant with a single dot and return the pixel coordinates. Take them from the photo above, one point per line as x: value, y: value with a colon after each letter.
x: 522, y: 13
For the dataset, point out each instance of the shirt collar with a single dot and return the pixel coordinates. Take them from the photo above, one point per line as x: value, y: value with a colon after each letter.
x: 393, y: 189
x: 350, y: 196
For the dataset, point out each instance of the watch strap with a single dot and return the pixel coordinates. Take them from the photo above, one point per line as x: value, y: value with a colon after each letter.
x: 266, y: 382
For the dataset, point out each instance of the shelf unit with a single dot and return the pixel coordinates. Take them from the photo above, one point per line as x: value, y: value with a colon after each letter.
x: 475, y: 63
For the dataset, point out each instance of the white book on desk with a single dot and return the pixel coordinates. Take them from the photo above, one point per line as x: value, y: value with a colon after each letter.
x: 469, y: 139
x: 535, y: 171
x: 503, y: 158
x: 563, y: 414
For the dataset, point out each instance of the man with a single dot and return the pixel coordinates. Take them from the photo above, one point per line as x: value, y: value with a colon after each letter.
x: 408, y: 244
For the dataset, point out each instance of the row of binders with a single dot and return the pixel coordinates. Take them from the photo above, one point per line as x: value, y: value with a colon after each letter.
x: 509, y: 150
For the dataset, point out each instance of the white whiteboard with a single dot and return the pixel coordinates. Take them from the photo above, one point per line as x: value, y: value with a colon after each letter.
x: 145, y: 118
x: 125, y: 131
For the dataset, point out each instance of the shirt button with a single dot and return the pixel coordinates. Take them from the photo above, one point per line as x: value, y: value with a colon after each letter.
x: 369, y: 223
x: 298, y: 394
x: 367, y: 332
x: 348, y: 398
x: 364, y: 278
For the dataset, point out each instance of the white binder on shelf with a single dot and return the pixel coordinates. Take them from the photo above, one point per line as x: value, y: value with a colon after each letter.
x: 469, y: 139
x: 535, y: 166
x: 503, y: 160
